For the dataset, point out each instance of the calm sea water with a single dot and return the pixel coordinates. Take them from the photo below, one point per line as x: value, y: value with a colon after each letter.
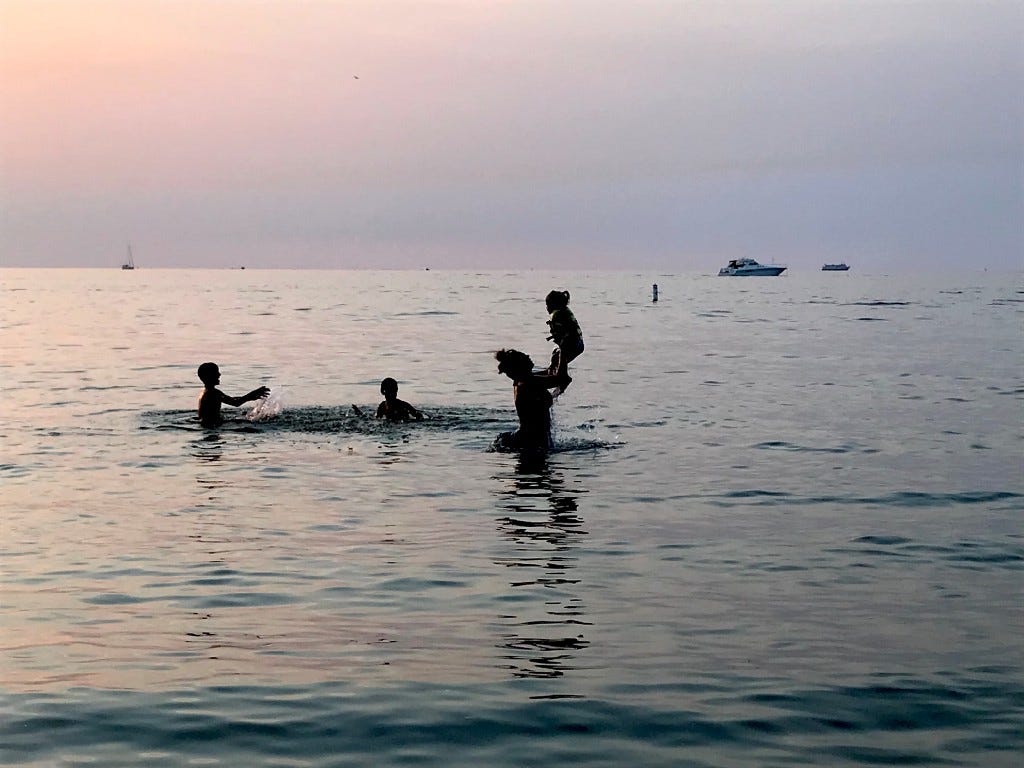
x: 783, y: 525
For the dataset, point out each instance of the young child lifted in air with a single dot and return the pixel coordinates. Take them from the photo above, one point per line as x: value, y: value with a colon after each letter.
x: 211, y: 399
x: 565, y: 332
x: 393, y: 409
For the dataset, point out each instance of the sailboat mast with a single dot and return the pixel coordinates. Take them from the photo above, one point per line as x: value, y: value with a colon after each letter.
x: 130, y: 263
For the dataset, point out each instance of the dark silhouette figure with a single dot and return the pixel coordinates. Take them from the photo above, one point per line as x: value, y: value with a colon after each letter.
x: 532, y: 400
x: 566, y: 333
x: 211, y: 398
x: 393, y: 409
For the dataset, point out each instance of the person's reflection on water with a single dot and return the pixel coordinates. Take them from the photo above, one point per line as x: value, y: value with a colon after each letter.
x: 542, y: 529
x: 208, y: 450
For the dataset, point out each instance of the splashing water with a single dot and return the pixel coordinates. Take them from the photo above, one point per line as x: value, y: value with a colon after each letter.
x: 268, y: 407
x: 587, y: 435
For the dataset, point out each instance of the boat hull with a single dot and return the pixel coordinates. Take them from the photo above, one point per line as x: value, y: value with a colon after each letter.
x: 835, y: 267
x: 761, y: 271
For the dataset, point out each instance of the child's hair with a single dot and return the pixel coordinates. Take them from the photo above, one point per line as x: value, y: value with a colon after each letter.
x: 512, y: 360
x: 389, y: 385
x: 557, y: 299
x: 207, y: 371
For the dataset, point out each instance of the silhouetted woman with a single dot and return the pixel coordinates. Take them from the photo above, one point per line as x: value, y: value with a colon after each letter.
x: 532, y: 399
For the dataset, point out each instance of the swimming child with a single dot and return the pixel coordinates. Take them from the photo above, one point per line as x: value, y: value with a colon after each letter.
x: 532, y: 399
x: 211, y: 399
x: 392, y: 408
x: 565, y: 332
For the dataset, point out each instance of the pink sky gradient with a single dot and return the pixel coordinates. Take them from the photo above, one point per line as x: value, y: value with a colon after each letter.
x: 472, y: 134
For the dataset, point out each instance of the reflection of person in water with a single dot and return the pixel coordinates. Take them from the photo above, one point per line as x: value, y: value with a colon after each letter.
x: 543, y: 632
x: 532, y: 399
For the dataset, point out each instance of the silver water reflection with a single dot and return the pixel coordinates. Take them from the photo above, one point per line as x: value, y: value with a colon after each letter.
x: 543, y: 529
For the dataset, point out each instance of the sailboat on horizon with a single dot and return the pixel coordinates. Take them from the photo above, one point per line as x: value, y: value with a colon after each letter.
x: 130, y: 263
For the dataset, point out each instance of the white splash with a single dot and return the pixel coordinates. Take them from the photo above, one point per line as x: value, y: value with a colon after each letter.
x: 586, y: 435
x: 268, y: 407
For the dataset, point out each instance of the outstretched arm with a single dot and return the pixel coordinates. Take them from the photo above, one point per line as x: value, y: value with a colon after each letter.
x: 407, y: 412
x: 547, y: 380
x: 257, y: 394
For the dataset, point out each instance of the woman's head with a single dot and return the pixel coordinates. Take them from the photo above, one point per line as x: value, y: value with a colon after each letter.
x: 557, y: 300
x: 513, y: 363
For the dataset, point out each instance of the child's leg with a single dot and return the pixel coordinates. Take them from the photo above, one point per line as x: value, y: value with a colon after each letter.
x: 562, y: 369
x: 566, y: 355
x: 556, y: 357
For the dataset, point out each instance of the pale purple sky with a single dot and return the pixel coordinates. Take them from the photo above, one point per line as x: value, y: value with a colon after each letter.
x: 641, y: 134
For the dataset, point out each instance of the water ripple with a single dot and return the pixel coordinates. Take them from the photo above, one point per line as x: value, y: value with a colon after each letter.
x: 964, y: 719
x: 784, y: 446
x: 899, y: 499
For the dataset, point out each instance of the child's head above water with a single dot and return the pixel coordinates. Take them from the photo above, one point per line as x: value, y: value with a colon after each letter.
x: 389, y: 388
x: 556, y: 300
x: 209, y: 374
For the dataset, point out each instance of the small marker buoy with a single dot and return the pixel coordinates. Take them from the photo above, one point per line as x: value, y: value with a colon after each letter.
x: 654, y: 292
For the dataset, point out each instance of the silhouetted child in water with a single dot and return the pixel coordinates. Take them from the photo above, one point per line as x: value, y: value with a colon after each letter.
x: 566, y: 333
x: 392, y: 408
x: 211, y: 399
x: 532, y: 399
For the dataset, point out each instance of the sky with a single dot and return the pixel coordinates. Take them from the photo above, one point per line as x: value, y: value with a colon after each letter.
x: 665, y: 135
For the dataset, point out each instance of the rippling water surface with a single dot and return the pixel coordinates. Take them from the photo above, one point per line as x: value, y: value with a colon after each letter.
x: 782, y: 526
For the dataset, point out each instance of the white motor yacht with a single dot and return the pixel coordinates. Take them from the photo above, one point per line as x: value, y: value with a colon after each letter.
x: 743, y: 267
